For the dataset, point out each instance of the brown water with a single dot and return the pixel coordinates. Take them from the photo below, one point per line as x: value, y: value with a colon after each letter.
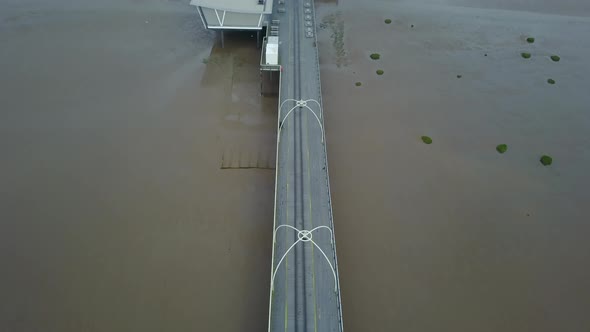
x: 116, y: 118
x: 454, y: 236
x: 114, y: 212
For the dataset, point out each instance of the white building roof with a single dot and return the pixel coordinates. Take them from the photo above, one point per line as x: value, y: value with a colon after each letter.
x: 242, y: 6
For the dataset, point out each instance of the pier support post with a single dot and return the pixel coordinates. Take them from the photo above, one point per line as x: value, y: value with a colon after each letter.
x: 258, y: 39
x: 222, y: 40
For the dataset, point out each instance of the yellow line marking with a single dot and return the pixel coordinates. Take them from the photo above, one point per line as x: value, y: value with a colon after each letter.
x: 287, y: 257
x: 286, y: 302
x: 315, y: 305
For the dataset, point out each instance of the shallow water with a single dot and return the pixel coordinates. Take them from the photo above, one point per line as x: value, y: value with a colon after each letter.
x: 115, y: 214
x: 454, y: 236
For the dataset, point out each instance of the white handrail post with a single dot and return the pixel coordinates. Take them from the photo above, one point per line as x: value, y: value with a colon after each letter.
x: 331, y: 267
x: 300, y: 104
x: 272, y: 281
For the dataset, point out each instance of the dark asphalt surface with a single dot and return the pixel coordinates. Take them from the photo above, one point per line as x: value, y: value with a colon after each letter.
x: 306, y: 293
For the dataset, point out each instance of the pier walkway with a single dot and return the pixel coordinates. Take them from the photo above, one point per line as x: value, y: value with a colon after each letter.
x: 305, y: 289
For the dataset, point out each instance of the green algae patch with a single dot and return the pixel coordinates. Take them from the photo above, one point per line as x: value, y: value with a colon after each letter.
x: 546, y: 160
x: 555, y: 58
x: 525, y: 55
x: 551, y: 81
x: 380, y: 72
x: 375, y: 56
x: 426, y: 140
x: 358, y: 84
x: 388, y: 21
x: 530, y: 40
x: 502, y: 148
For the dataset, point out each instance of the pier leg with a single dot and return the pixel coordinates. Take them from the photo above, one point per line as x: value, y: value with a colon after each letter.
x: 258, y: 39
x: 222, y: 40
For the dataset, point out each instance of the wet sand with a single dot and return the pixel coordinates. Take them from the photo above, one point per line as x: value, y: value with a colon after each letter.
x: 115, y: 214
x: 454, y: 236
